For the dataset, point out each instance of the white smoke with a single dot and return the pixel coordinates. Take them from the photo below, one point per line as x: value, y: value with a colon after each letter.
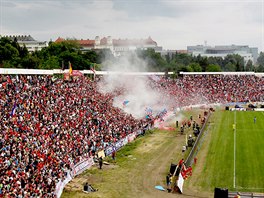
x: 137, y: 90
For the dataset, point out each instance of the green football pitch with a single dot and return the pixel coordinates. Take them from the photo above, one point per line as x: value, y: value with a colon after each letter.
x: 235, y: 158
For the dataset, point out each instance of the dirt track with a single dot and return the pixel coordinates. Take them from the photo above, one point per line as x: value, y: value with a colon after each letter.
x: 158, y: 166
x: 145, y: 168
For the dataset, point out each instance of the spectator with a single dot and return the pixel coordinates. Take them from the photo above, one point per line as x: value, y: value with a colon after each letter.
x: 100, y: 162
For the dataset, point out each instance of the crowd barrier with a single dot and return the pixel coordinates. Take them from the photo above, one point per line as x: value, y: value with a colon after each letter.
x: 76, y: 170
x: 61, y: 184
x: 191, y: 155
x: 116, y: 146
x: 81, y: 166
x: 87, y: 163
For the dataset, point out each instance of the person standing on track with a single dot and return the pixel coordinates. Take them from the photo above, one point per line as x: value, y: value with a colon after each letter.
x: 168, y: 181
x: 100, y: 162
x: 113, y: 155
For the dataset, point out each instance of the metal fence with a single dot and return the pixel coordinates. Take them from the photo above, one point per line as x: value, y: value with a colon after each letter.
x: 195, y: 148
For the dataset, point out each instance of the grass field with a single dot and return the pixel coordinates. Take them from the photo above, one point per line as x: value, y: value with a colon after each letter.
x: 234, y: 159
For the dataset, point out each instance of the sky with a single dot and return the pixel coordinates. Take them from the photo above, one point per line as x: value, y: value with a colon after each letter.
x: 173, y: 24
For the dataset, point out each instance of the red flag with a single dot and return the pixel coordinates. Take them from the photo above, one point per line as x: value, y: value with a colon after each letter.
x: 93, y: 70
x: 187, y: 172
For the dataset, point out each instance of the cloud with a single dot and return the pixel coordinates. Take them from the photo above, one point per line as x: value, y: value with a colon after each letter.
x: 172, y: 24
x: 59, y: 17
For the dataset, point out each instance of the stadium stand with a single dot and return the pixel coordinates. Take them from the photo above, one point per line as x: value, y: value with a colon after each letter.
x: 47, y: 126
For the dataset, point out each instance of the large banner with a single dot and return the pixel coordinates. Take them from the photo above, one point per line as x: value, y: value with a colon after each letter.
x: 109, y: 150
x: 121, y: 143
x: 76, y: 170
x: 131, y: 137
x: 61, y: 184
x: 81, y: 166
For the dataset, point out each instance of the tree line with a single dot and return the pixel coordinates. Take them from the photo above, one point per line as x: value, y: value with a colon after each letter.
x: 231, y: 63
x: 58, y: 55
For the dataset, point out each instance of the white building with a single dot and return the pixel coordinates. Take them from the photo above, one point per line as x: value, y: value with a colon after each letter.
x: 246, y: 52
x: 30, y: 43
x: 116, y: 46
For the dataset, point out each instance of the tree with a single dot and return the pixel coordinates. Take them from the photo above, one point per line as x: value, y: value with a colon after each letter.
x: 249, y: 66
x: 30, y: 62
x: 184, y: 68
x: 90, y: 55
x: 76, y: 59
x: 8, y: 52
x: 179, y: 67
x: 185, y: 59
x: 51, y: 63
x: 260, y: 63
x: 240, y: 66
x: 230, y: 67
x: 153, y: 60
x: 213, y: 68
x: 216, y: 61
x: 260, y: 68
x: 202, y: 61
x: 260, y: 60
x: 23, y: 51
x: 12, y: 55
x: 236, y: 60
x: 195, y: 67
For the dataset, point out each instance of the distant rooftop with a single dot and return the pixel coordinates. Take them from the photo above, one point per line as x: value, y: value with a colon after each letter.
x: 116, y: 42
x: 20, y: 37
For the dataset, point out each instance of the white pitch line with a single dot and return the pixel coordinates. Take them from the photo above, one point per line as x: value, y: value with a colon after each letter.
x: 235, y: 150
x: 253, y: 188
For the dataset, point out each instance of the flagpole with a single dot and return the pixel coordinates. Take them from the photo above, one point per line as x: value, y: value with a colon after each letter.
x: 94, y: 70
x: 62, y: 69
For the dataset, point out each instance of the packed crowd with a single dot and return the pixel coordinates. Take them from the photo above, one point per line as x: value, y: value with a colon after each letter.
x: 204, y: 89
x: 49, y: 125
